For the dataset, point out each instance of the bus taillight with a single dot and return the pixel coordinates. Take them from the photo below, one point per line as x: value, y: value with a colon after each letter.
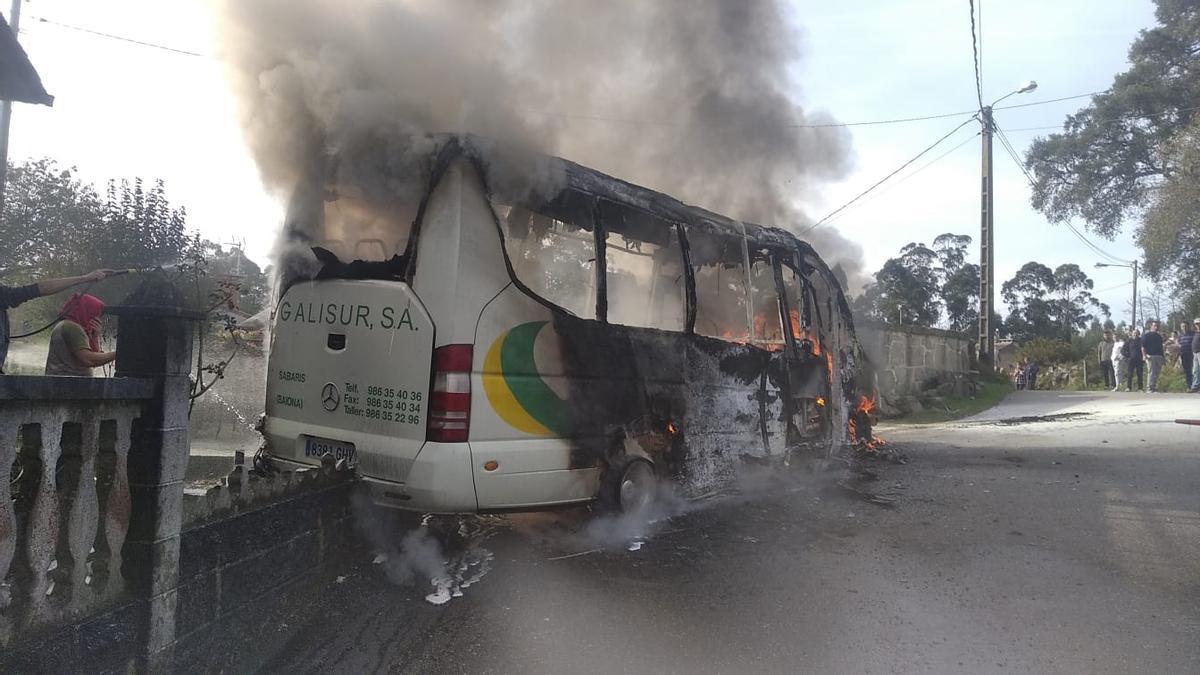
x: 450, y: 402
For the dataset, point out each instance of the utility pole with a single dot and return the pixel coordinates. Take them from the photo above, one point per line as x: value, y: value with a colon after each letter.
x: 987, y: 336
x: 987, y: 258
x: 1135, y: 298
x: 14, y: 21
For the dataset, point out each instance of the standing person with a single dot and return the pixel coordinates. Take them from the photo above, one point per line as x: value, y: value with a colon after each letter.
x: 1031, y: 373
x: 75, y: 341
x: 1133, y: 358
x: 11, y: 296
x: 1195, y: 356
x: 1186, y: 335
x: 1021, y: 374
x: 1152, y: 351
x: 1104, y: 353
x: 1118, y: 358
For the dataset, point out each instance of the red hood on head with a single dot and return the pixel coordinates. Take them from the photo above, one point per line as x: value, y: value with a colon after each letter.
x: 83, y: 309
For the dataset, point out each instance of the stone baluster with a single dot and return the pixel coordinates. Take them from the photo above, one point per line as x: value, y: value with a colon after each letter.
x: 115, y: 516
x: 83, y: 512
x: 8, y: 519
x: 44, y: 518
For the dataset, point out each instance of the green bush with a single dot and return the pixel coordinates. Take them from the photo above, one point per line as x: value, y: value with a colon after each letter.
x: 1045, y: 351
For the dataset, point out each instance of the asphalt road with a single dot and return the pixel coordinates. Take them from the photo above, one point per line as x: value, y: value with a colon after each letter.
x: 1069, y: 544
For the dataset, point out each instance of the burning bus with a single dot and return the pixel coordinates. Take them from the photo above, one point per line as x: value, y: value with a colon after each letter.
x: 520, y: 332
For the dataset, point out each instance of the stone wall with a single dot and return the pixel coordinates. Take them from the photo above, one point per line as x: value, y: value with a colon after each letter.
x: 252, y: 553
x: 910, y: 361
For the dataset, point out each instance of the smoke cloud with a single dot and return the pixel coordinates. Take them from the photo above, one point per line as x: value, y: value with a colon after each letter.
x: 694, y: 98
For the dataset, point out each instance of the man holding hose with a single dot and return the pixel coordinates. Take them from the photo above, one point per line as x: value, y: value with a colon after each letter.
x: 11, y: 296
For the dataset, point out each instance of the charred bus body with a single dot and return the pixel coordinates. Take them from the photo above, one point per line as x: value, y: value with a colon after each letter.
x: 519, y: 332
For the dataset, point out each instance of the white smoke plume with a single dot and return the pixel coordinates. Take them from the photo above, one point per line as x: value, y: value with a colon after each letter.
x: 694, y: 98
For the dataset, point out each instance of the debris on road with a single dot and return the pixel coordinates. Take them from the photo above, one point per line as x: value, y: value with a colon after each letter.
x: 1034, y: 419
x: 575, y: 555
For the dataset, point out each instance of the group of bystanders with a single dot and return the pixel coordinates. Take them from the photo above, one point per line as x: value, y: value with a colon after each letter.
x: 1126, y: 356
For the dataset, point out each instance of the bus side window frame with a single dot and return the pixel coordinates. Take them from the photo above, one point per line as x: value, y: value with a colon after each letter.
x: 689, y: 327
x: 690, y: 268
x: 794, y: 261
x: 785, y: 316
x: 600, y: 269
x: 601, y: 245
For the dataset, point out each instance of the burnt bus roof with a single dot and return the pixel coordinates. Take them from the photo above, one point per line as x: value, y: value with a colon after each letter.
x: 600, y: 185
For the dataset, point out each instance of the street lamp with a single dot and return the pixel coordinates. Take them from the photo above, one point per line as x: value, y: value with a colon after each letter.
x: 1133, y: 266
x: 1024, y: 89
x: 987, y: 281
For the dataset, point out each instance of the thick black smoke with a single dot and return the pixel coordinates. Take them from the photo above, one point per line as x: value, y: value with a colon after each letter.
x: 694, y: 98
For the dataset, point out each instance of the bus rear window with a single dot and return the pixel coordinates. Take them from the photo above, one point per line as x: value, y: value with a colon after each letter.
x: 355, y: 230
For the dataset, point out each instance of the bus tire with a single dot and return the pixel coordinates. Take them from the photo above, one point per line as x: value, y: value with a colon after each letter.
x: 632, y: 488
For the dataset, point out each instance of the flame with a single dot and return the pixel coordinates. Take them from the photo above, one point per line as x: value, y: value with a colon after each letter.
x: 866, y: 406
x: 821, y: 401
x: 671, y: 428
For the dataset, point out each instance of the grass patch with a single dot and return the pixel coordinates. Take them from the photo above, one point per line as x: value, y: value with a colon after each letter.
x: 991, y: 391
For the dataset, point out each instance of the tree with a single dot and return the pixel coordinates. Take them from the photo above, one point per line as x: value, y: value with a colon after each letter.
x: 47, y: 216
x: 951, y: 251
x: 55, y: 225
x: 960, y: 281
x: 1169, y: 235
x: 139, y: 228
x: 1027, y: 295
x: 922, y: 281
x: 906, y: 288
x: 899, y: 295
x: 1051, y: 304
x: 1114, y: 153
x: 960, y: 295
x: 1074, y: 303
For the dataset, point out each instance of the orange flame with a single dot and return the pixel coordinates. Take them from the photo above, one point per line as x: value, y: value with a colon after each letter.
x: 866, y: 406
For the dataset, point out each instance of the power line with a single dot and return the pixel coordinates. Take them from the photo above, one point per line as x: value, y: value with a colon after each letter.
x: 121, y: 38
x: 891, y: 121
x: 885, y: 178
x: 1113, y: 288
x: 975, y: 53
x: 1051, y: 100
x: 1012, y: 153
x: 1114, y: 120
x: 914, y: 172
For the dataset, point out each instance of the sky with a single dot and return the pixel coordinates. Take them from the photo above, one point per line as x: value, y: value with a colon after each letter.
x: 125, y: 110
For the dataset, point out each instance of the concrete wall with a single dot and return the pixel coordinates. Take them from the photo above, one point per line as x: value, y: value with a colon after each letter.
x: 910, y: 360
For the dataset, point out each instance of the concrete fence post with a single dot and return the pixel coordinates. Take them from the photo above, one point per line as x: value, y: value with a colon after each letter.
x: 155, y: 341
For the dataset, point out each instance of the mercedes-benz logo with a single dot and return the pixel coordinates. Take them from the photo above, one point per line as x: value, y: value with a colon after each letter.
x: 330, y: 397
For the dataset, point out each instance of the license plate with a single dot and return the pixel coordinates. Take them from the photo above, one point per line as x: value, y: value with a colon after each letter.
x: 319, y: 447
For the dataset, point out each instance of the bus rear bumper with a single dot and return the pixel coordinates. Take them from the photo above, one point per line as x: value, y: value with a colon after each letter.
x: 439, y: 481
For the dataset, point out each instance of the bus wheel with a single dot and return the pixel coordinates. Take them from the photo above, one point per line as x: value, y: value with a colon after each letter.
x: 635, y: 487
